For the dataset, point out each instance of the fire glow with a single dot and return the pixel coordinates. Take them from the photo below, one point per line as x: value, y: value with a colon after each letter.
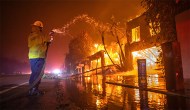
x: 56, y: 71
x: 150, y: 54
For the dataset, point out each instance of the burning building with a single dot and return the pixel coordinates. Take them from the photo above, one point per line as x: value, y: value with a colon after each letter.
x: 161, y: 45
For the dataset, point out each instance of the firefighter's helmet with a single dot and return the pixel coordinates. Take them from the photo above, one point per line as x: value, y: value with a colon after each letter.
x: 38, y: 23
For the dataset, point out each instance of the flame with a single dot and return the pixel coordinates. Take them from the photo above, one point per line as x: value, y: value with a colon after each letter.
x: 150, y: 54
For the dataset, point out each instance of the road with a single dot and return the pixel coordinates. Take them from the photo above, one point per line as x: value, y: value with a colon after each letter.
x: 83, y: 93
x: 17, y: 99
x: 14, y: 94
x: 9, y: 82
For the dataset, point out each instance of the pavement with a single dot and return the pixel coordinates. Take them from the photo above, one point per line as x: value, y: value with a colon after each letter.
x: 187, y: 87
x: 18, y: 99
x: 86, y: 94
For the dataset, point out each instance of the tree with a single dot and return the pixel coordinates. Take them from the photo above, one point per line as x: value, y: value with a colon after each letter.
x: 125, y: 54
x: 79, y: 48
x: 160, y: 15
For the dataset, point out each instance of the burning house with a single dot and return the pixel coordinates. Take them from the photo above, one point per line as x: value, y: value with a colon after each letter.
x: 142, y: 42
x: 157, y: 47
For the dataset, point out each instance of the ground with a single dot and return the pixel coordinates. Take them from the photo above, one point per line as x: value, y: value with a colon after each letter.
x: 83, y: 93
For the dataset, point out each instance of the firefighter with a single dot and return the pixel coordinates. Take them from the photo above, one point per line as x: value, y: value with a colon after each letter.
x: 37, y: 44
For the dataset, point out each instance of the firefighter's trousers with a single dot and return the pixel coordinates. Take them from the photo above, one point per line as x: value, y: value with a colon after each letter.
x: 36, y: 68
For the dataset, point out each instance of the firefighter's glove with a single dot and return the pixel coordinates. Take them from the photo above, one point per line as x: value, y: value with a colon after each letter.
x: 51, y: 34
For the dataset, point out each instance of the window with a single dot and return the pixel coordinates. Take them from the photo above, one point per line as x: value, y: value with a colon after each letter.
x: 136, y: 34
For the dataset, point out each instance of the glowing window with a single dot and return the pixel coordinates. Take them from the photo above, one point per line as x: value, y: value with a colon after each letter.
x: 156, y: 29
x: 136, y: 34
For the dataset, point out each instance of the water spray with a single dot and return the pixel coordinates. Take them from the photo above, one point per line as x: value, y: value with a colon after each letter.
x: 89, y: 20
x: 58, y: 31
x: 102, y: 27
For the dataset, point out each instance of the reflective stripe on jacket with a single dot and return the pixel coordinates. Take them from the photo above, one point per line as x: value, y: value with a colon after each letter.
x: 37, y: 45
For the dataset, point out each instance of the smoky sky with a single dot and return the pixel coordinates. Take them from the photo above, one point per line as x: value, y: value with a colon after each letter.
x: 18, y: 15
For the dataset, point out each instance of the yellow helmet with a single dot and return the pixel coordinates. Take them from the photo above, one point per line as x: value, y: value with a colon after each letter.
x: 38, y: 23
